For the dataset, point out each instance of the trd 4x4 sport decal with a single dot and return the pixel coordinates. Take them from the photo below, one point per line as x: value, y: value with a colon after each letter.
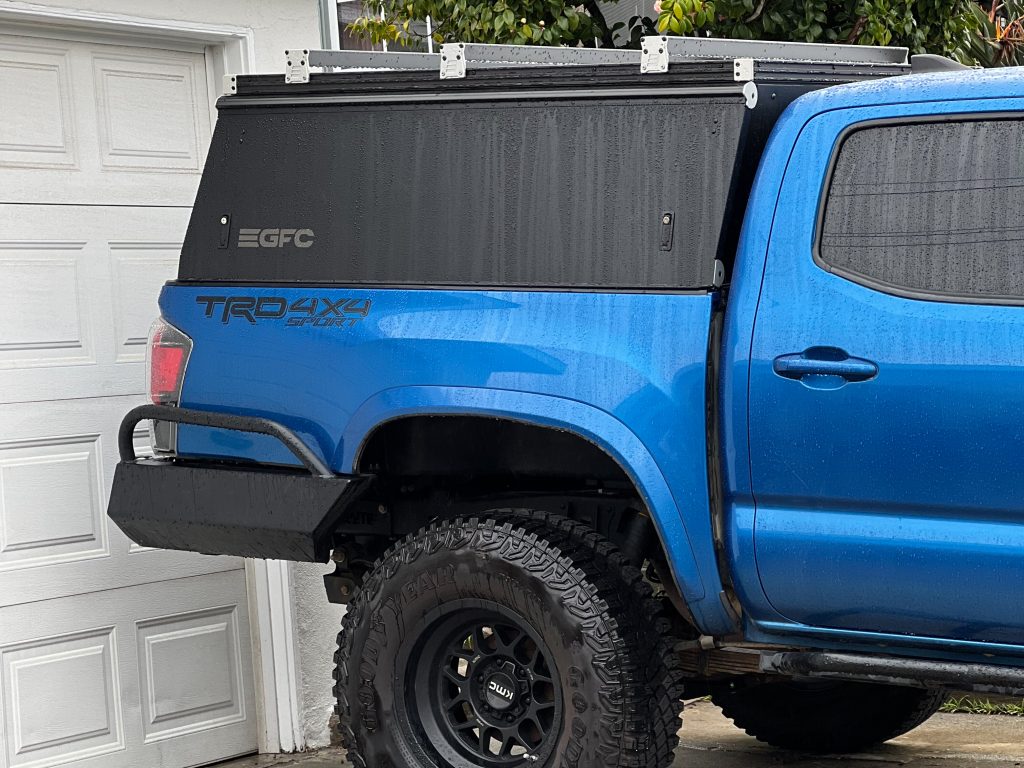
x: 309, y: 310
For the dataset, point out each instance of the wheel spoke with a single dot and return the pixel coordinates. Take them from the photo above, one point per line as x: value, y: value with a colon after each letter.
x: 456, y: 700
x: 509, y: 739
x: 526, y: 651
x: 540, y: 668
x: 481, y: 644
x: 454, y: 677
x: 507, y: 647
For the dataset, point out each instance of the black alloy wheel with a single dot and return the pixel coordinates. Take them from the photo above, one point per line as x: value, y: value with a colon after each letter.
x: 482, y: 685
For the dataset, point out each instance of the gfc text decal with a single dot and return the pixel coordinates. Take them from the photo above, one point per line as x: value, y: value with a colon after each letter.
x: 309, y: 310
x: 275, y: 238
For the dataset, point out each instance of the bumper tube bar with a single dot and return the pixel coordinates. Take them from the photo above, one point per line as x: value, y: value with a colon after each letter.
x: 126, y: 442
x: 228, y: 508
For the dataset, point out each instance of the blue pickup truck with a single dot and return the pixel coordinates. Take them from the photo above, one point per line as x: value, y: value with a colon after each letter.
x: 607, y: 383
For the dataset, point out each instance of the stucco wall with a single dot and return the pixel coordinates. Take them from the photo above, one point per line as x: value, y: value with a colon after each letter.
x: 276, y: 24
x: 317, y: 625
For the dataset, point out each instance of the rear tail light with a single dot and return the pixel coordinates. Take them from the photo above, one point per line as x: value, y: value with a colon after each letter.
x: 168, y: 354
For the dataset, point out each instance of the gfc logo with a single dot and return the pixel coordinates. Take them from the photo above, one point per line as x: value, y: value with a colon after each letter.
x: 275, y: 238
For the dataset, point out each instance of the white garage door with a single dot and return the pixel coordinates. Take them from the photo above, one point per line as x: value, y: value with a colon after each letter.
x: 111, y: 655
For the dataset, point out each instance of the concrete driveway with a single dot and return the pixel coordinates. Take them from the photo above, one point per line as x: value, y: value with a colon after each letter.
x: 711, y: 741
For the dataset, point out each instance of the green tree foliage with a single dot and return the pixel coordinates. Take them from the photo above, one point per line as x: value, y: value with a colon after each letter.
x: 518, y: 22
x: 987, y: 32
x: 935, y: 26
x: 1000, y: 38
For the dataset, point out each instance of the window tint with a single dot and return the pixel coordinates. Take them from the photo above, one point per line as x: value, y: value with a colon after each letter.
x: 930, y: 208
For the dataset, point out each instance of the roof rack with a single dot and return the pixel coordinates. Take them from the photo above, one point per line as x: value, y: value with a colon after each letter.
x: 656, y: 52
x: 453, y: 60
x: 655, y: 56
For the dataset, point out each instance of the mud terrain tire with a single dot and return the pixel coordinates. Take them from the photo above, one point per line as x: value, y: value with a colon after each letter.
x: 518, y: 604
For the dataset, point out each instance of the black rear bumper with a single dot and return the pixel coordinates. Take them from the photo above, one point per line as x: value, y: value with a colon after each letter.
x: 228, y: 509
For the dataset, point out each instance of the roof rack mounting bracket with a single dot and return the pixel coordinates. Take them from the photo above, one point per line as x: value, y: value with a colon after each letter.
x: 743, y: 70
x: 296, y: 65
x: 653, y: 55
x: 453, y: 61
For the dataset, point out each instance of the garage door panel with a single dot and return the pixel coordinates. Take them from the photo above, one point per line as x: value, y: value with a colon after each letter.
x: 80, y: 292
x: 147, y: 111
x: 45, y: 317
x: 208, y: 692
x: 112, y: 655
x: 51, y: 503
x: 139, y: 270
x: 115, y: 679
x: 47, y: 723
x: 35, y: 99
x: 94, y: 124
x: 56, y: 466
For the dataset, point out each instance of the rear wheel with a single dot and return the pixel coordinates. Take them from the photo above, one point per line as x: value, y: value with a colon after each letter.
x: 511, y: 641
x: 826, y: 716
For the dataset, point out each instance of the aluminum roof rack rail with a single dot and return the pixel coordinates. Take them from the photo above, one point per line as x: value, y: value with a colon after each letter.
x: 654, y: 57
x: 453, y: 60
x: 657, y: 52
x: 299, y: 61
x: 456, y: 57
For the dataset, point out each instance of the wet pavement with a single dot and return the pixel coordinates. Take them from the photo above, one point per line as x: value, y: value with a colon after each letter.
x: 709, y: 740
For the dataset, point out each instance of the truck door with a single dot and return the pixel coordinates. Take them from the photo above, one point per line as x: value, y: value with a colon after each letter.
x: 886, y: 409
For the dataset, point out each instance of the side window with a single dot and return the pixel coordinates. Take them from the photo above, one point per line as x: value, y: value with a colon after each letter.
x: 930, y: 209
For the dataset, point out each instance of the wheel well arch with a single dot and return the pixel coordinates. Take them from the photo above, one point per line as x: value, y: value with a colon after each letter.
x: 433, y: 466
x: 690, y: 561
x: 406, y: 445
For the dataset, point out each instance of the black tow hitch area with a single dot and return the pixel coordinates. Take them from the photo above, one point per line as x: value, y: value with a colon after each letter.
x: 227, y: 509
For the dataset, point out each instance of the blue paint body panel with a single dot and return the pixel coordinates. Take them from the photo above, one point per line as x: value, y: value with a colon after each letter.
x: 888, y: 511
x: 626, y: 371
x: 879, y: 513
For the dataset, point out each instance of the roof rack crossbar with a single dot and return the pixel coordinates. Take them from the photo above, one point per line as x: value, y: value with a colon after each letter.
x: 299, y: 62
x: 456, y: 57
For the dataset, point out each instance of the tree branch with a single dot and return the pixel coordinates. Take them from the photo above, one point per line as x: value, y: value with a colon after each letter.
x: 858, y: 27
x: 757, y: 12
x: 594, y: 10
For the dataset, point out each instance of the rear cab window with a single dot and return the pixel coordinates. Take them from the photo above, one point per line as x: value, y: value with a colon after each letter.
x: 929, y: 208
